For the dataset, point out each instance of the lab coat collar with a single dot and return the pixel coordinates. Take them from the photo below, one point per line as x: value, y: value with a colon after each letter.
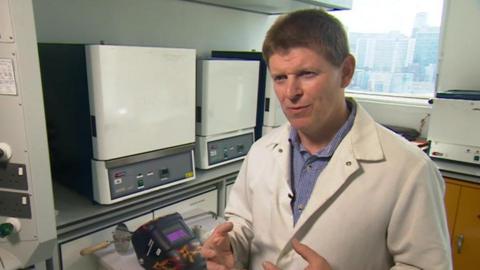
x: 363, y: 136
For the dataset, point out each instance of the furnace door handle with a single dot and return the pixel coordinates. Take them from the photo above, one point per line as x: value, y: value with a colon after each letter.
x: 460, y: 239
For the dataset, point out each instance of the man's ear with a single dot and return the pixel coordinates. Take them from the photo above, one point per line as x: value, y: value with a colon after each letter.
x: 348, y: 68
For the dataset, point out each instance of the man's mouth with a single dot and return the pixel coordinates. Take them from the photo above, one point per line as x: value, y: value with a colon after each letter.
x: 298, y: 109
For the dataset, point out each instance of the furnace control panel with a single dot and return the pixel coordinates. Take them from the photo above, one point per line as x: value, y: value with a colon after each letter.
x: 229, y: 148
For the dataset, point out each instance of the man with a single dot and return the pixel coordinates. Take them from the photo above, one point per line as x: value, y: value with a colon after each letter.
x: 355, y: 195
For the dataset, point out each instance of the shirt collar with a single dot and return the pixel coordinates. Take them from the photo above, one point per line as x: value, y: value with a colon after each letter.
x: 333, y: 144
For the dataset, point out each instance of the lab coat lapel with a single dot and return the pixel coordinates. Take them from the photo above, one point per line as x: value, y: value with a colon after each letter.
x: 330, y: 182
x: 358, y: 145
x: 281, y: 152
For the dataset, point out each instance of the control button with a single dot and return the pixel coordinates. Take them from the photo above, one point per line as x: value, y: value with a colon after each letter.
x: 476, y: 158
x: 9, y: 227
x: 5, y: 152
x: 240, y: 148
x: 120, y: 174
x: 140, y: 183
x: 117, y: 181
x: 5, y: 229
x: 164, y: 173
x: 139, y: 176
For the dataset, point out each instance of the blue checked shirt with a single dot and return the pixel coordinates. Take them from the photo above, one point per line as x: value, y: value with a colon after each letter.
x: 306, y: 167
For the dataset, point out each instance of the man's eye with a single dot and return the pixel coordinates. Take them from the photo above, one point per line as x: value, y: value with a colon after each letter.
x: 307, y: 74
x: 279, y: 78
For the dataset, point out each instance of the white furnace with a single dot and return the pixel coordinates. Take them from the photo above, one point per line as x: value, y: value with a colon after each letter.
x: 120, y: 119
x: 273, y: 116
x: 226, y: 109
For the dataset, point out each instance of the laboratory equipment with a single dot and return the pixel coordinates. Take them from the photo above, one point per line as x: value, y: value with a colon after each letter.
x: 226, y: 108
x: 27, y: 218
x: 269, y: 112
x: 199, y: 221
x: 167, y: 242
x: 273, y: 116
x: 454, y: 132
x: 121, y: 238
x: 120, y: 119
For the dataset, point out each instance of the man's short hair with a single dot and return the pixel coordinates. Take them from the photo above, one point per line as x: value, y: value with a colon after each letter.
x: 310, y: 28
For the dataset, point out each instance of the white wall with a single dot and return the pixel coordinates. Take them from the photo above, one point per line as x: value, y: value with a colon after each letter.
x: 168, y: 23
x: 459, y: 66
x: 176, y: 23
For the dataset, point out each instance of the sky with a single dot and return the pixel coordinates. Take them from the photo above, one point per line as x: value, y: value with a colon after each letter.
x: 380, y: 16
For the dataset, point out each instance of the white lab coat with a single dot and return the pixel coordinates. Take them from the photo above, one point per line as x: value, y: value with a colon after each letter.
x: 377, y: 205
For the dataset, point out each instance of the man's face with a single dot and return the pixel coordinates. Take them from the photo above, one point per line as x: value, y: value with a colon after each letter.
x: 310, y: 89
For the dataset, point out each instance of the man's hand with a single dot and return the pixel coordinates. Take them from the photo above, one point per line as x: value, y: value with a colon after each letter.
x: 315, y: 261
x: 217, y: 251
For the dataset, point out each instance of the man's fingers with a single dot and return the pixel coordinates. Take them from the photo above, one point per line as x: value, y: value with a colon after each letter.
x: 216, y: 249
x: 223, y: 228
x: 218, y: 241
x: 215, y: 266
x: 315, y: 260
x: 269, y: 266
x: 208, y: 253
x: 307, y: 253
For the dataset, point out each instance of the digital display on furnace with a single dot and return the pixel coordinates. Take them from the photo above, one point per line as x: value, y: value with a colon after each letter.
x: 176, y: 233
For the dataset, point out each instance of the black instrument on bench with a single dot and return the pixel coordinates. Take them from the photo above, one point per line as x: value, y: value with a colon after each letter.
x: 167, y: 243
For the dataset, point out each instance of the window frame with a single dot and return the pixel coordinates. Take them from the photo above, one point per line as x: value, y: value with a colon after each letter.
x: 422, y: 99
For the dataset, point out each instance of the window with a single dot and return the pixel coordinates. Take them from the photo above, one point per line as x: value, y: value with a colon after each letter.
x: 396, y: 45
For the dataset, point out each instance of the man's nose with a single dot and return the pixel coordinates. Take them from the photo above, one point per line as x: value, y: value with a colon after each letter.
x: 294, y: 90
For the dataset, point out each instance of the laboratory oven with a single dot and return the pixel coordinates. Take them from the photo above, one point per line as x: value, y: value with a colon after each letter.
x: 454, y: 131
x: 226, y: 108
x: 120, y: 119
x: 269, y: 112
x: 273, y: 115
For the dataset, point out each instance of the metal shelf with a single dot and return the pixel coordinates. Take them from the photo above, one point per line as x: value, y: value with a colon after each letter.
x: 275, y: 7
